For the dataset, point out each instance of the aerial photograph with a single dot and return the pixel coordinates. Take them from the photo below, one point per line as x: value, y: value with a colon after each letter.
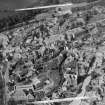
x: 52, y: 52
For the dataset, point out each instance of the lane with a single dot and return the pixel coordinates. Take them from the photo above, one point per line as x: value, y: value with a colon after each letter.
x: 2, y: 90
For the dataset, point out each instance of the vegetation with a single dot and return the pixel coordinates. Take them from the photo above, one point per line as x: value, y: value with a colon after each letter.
x: 60, y: 56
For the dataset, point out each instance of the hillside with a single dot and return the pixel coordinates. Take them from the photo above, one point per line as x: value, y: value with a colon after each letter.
x: 32, y: 3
